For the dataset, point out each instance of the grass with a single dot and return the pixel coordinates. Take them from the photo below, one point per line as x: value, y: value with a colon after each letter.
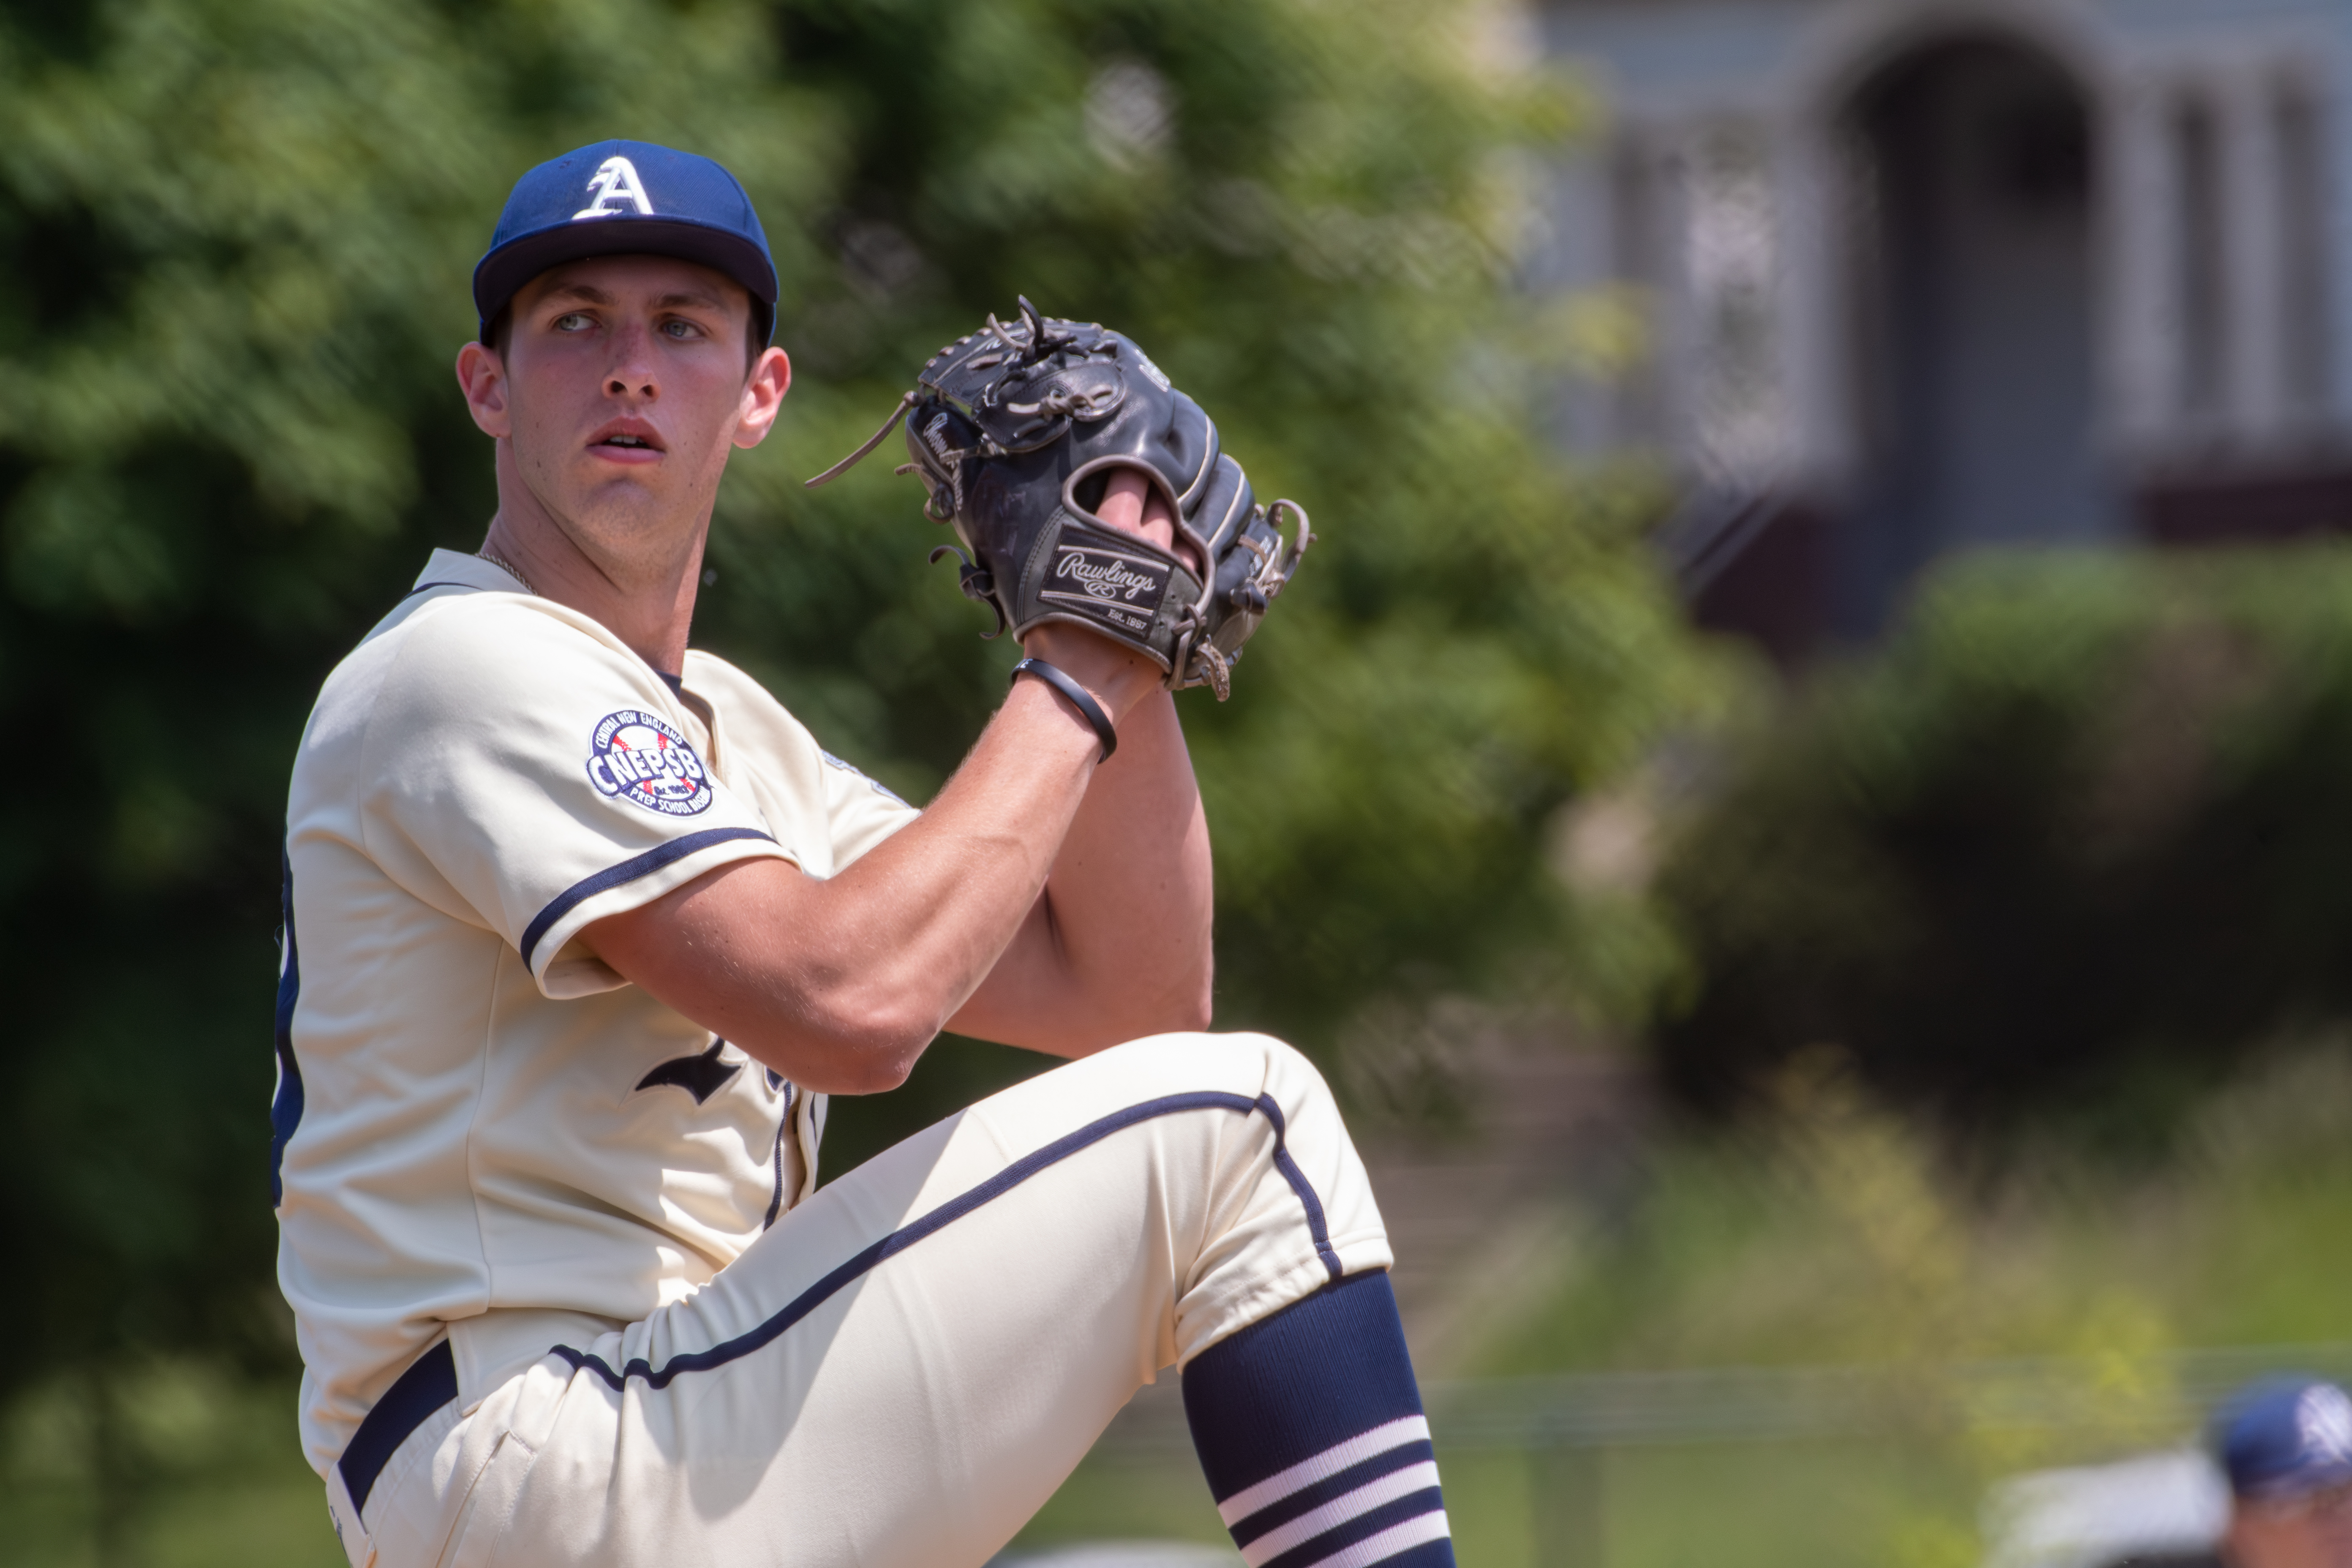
x: 1826, y: 1505
x: 1807, y: 1505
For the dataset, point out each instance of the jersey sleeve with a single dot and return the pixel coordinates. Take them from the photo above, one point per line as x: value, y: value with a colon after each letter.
x: 534, y: 776
x: 859, y: 812
x: 828, y: 811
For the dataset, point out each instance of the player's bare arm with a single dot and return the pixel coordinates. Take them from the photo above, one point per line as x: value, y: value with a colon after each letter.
x: 1126, y: 915
x: 841, y: 983
x: 1025, y: 906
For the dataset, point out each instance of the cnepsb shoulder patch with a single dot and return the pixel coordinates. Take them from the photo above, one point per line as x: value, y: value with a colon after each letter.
x: 638, y: 757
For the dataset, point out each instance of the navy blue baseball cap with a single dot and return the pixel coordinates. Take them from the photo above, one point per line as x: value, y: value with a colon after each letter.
x: 628, y: 198
x: 2286, y: 1437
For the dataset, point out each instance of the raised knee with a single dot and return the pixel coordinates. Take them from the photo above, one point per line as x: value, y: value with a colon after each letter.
x: 1279, y: 1053
x: 1196, y: 1043
x: 1291, y: 1077
x: 1238, y: 1055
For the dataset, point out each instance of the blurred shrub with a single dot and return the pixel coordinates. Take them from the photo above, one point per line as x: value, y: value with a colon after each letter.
x: 236, y: 240
x: 2073, y: 844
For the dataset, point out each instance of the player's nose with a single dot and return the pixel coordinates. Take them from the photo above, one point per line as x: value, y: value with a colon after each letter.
x: 630, y: 372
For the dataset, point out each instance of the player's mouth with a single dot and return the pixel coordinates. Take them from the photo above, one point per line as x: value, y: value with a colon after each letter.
x: 628, y: 441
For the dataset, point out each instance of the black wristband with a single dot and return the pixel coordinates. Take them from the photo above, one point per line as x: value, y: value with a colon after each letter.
x: 1080, y: 699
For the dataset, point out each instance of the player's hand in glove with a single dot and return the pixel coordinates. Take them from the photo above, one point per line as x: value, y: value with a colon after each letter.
x: 1022, y: 431
x: 1130, y: 505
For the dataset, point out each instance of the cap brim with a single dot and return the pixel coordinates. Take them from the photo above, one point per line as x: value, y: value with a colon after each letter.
x: 503, y: 272
x: 2299, y: 1482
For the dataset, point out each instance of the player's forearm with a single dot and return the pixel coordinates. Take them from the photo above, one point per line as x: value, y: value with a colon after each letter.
x: 1120, y: 945
x: 1133, y: 892
x: 923, y: 918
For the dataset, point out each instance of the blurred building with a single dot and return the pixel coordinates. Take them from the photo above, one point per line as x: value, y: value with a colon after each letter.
x: 1921, y: 275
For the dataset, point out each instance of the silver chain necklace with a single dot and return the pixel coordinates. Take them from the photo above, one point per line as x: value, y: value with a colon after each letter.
x: 506, y: 566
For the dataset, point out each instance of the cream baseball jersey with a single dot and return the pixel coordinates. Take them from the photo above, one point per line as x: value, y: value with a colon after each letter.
x: 479, y: 1129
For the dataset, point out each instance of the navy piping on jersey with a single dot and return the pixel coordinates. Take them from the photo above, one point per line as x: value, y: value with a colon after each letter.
x: 430, y: 1382
x: 428, y: 588
x: 956, y: 1208
x: 783, y: 1130
x: 286, y: 1104
x: 1297, y: 1180
x: 629, y: 871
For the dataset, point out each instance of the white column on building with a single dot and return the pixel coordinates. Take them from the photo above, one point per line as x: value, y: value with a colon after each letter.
x: 1811, y: 334
x: 2333, y: 171
x: 2256, y: 396
x: 2142, y: 358
x: 2305, y: 204
x: 1741, y: 417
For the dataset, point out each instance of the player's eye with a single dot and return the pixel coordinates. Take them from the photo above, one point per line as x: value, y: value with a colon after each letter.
x: 680, y: 331
x: 572, y: 322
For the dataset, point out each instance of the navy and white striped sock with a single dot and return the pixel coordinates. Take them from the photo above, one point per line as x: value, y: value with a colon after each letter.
x: 1310, y: 1427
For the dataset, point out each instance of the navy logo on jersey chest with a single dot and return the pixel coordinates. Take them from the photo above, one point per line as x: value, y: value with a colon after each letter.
x: 639, y: 758
x: 700, y: 1075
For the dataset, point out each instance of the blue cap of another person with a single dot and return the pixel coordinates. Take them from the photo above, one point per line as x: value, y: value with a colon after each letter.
x: 628, y: 198
x: 2286, y: 1436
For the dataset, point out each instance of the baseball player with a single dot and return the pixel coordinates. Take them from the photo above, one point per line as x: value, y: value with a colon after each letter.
x: 582, y: 927
x: 2287, y: 1447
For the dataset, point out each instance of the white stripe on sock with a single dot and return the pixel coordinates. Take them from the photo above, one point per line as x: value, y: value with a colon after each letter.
x: 1322, y: 1467
x: 1340, y: 1510
x: 1390, y: 1542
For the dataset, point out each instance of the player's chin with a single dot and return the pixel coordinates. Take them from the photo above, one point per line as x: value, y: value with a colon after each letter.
x: 621, y: 511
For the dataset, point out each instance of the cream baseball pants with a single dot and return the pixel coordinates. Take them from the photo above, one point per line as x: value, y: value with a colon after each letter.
x: 905, y: 1367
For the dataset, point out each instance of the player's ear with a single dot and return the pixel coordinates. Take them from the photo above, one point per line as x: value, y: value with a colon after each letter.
x: 482, y: 377
x: 763, y: 394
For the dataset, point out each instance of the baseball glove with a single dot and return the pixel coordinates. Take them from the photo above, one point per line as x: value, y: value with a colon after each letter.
x: 1018, y: 429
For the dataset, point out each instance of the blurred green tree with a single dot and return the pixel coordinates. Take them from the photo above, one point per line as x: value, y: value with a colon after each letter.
x: 2072, y: 847
x: 236, y: 236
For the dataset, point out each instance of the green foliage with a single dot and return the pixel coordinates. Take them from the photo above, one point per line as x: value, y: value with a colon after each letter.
x: 2073, y: 844
x: 235, y: 240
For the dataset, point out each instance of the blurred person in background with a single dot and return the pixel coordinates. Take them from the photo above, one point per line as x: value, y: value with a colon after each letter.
x: 2286, y: 1445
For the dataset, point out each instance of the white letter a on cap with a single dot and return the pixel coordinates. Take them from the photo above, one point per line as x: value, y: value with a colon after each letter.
x: 615, y: 181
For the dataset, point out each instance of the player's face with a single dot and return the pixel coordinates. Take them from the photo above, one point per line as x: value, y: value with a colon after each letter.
x: 627, y: 384
x: 2311, y: 1531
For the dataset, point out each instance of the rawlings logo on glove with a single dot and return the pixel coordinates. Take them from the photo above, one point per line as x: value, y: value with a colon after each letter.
x: 1109, y: 580
x: 1018, y: 429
